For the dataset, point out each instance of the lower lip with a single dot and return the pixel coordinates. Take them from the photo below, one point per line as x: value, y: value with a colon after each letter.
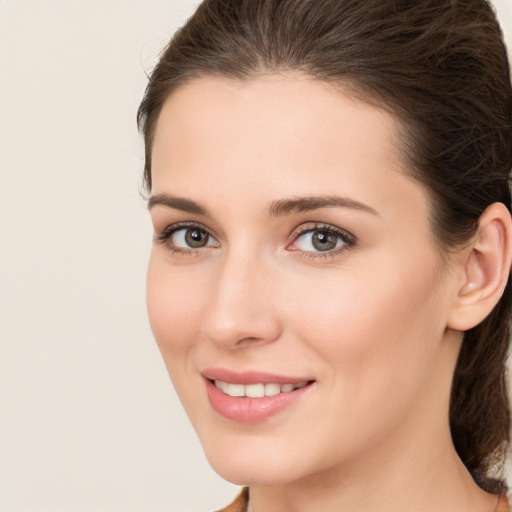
x: 251, y: 410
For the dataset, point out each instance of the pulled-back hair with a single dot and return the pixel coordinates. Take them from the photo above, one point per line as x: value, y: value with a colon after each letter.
x: 440, y: 66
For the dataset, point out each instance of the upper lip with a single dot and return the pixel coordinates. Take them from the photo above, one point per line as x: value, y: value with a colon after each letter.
x: 250, y: 377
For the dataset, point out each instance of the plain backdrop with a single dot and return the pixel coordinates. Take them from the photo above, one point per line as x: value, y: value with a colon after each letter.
x: 88, y: 418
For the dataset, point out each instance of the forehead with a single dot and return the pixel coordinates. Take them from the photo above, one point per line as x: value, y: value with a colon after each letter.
x: 271, y: 107
x: 278, y: 135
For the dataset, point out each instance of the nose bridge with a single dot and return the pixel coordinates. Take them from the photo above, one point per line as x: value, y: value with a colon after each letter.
x: 240, y: 308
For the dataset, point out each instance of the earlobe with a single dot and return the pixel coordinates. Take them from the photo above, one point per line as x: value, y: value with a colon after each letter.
x: 485, y: 269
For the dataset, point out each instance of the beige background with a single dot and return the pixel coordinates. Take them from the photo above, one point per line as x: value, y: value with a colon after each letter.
x: 88, y: 418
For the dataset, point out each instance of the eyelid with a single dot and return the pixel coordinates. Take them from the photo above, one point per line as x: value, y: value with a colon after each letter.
x: 165, y: 235
x: 348, y: 238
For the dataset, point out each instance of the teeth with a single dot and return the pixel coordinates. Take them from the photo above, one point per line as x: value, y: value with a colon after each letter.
x: 236, y: 390
x: 272, y: 389
x: 223, y: 386
x: 257, y: 390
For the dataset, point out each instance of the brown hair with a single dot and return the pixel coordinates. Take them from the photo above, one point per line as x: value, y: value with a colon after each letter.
x: 441, y: 67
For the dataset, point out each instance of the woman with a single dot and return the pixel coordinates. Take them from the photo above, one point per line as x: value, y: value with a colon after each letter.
x: 329, y: 282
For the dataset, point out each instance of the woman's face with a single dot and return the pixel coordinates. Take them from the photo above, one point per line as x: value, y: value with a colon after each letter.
x: 294, y: 259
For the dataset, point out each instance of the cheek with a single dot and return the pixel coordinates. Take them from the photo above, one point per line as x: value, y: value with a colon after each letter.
x: 368, y: 322
x: 174, y: 306
x: 375, y: 337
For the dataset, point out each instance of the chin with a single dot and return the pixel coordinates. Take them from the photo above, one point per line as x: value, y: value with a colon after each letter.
x: 256, y: 465
x: 244, y: 473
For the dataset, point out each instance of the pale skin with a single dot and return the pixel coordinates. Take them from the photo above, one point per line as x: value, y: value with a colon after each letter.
x: 377, y: 321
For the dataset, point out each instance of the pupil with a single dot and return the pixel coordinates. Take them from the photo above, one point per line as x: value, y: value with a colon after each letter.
x: 324, y: 241
x: 196, y: 238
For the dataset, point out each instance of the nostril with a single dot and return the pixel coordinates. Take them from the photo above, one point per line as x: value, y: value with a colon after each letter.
x: 248, y: 339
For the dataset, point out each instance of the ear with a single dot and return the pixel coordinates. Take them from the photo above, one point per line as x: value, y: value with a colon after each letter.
x: 485, y: 268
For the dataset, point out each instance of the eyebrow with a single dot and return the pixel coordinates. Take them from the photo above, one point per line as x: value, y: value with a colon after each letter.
x: 178, y: 203
x: 306, y: 204
x: 277, y: 208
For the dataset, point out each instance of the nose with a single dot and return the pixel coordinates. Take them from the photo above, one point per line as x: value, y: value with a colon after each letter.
x: 241, y: 310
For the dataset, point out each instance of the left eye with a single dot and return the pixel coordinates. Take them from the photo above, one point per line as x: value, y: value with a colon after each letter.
x: 319, y: 240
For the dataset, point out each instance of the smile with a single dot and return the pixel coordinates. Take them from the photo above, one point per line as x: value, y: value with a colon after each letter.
x: 253, y: 397
x: 257, y: 390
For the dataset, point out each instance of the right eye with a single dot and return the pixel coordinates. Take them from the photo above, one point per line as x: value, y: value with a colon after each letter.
x: 186, y: 238
x: 191, y: 238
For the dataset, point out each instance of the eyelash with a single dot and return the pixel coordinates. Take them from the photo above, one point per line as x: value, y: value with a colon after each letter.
x: 349, y: 240
x: 165, y: 236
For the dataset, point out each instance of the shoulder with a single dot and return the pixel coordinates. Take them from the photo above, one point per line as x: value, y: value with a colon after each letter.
x: 242, y: 500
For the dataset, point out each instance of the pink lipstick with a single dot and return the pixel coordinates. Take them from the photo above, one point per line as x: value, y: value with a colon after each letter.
x: 251, y: 397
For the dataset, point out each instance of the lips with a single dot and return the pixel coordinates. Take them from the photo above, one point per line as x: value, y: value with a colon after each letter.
x: 251, y: 397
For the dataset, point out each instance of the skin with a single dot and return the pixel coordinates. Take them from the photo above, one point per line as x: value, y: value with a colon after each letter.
x: 371, y: 322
